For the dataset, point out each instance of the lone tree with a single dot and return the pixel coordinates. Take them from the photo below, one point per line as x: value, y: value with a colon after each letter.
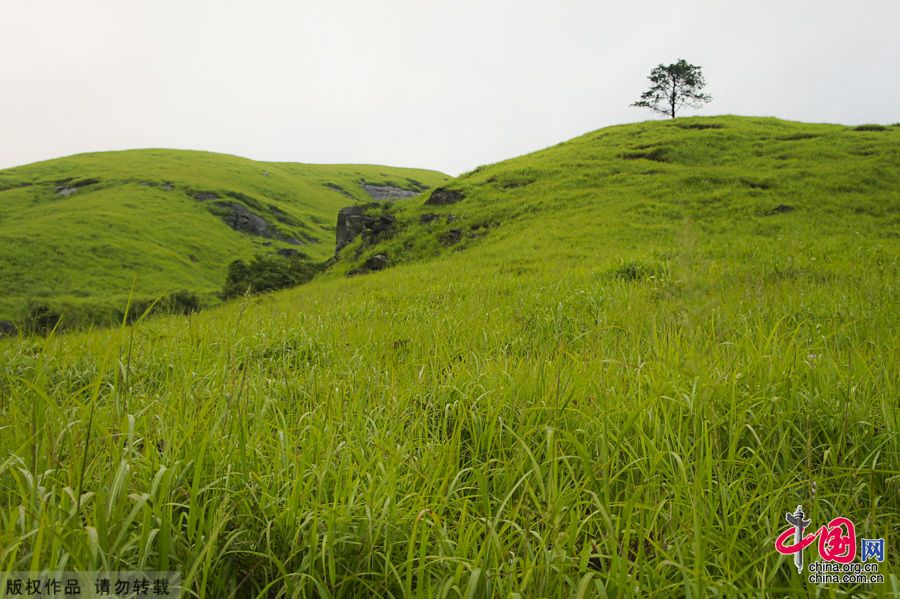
x: 676, y: 85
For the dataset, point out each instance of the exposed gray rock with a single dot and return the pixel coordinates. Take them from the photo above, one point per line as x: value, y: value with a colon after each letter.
x: 287, y: 252
x: 374, y: 226
x: 452, y: 237
x: 377, y: 262
x: 387, y: 192
x: 67, y: 187
x: 427, y: 218
x: 443, y: 197
x: 241, y: 219
x: 8, y: 329
x: 781, y: 209
x: 206, y: 195
x: 352, y: 222
x: 349, y: 225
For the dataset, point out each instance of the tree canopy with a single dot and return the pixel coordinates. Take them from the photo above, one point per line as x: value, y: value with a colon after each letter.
x: 674, y: 86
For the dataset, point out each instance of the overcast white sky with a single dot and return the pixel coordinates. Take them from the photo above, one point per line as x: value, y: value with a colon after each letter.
x: 445, y: 84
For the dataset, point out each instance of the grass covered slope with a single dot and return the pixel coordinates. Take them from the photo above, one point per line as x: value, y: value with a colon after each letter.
x: 76, y: 233
x: 631, y: 190
x: 618, y: 390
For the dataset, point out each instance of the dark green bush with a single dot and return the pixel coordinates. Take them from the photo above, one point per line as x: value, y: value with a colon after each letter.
x: 177, y: 302
x: 180, y: 302
x: 40, y: 318
x: 635, y: 271
x: 264, y: 274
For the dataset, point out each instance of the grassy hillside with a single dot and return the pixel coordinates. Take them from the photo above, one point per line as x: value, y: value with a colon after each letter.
x: 76, y: 233
x: 640, y: 349
x: 643, y: 191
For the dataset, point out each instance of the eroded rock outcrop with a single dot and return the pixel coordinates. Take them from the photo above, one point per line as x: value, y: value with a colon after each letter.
x: 355, y: 221
x: 451, y: 237
x: 444, y: 197
x: 204, y: 196
x: 349, y: 225
x: 781, y: 209
x: 430, y: 218
x: 67, y: 187
x: 388, y: 192
x: 375, y: 263
x: 241, y: 219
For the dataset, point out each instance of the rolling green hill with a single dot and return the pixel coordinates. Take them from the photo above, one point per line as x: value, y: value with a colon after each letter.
x: 608, y: 369
x: 76, y: 233
x: 644, y: 191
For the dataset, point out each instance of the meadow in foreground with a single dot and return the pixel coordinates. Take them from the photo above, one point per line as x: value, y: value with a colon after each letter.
x: 618, y: 390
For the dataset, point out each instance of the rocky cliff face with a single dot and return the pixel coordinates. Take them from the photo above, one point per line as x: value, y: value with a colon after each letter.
x: 366, y: 221
x: 355, y: 221
x: 443, y: 197
x: 349, y: 224
x: 388, y: 192
x: 241, y: 218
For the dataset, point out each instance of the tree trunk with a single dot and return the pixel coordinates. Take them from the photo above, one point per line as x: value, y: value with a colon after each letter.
x: 673, y: 98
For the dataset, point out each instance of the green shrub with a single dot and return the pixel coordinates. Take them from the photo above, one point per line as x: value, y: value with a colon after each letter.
x: 264, y: 274
x: 176, y: 302
x: 180, y: 302
x: 635, y: 271
x: 40, y: 318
